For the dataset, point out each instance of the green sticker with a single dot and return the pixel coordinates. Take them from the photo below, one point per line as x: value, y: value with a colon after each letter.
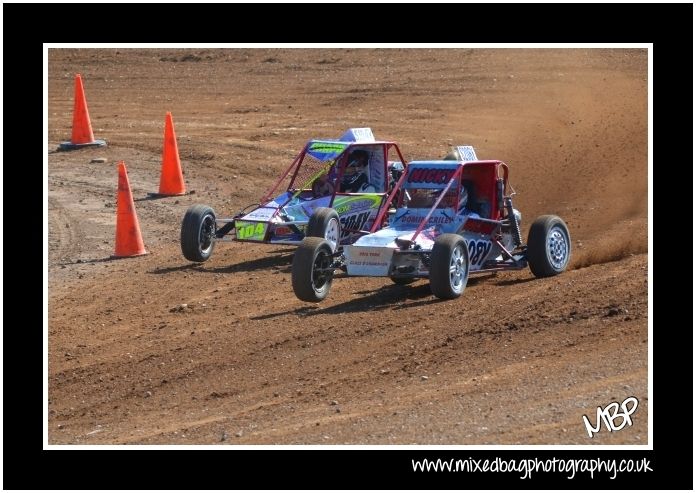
x: 250, y: 231
x: 346, y: 204
x: 327, y: 147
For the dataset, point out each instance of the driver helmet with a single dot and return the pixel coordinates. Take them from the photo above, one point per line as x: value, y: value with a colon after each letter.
x: 452, y: 155
x: 357, y: 162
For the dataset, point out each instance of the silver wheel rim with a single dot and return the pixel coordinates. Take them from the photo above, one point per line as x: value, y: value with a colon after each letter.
x: 331, y: 233
x: 206, y: 233
x: 457, y: 269
x: 557, y: 248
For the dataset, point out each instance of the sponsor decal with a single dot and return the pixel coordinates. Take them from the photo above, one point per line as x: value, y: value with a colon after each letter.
x: 327, y: 147
x: 368, y: 261
x: 433, y: 219
x: 282, y: 231
x: 260, y: 214
x: 358, y: 134
x: 353, y: 222
x: 437, y: 176
x: 325, y: 151
x: 369, y: 258
x: 343, y: 205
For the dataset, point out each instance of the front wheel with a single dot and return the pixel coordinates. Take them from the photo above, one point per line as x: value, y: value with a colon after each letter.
x: 548, y: 246
x: 324, y: 224
x: 198, y: 233
x: 312, y: 273
x: 449, y: 266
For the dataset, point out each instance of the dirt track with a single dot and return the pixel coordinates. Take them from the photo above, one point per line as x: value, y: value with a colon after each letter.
x: 515, y: 360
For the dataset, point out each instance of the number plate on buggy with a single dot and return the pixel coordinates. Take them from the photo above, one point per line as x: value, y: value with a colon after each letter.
x: 368, y: 261
x: 250, y: 231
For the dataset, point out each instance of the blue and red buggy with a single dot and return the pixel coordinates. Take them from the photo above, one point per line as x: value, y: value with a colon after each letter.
x: 334, y: 189
x: 452, y: 217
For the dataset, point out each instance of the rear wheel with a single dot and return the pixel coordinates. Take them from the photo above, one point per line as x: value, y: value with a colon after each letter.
x: 449, y: 266
x: 311, y: 269
x: 198, y: 233
x: 548, y: 246
x: 324, y: 224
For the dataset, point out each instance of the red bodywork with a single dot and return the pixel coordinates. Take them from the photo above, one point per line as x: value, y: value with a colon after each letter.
x: 485, y: 176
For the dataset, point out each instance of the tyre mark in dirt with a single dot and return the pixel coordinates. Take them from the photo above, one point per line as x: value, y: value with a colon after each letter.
x: 92, y: 186
x: 62, y: 233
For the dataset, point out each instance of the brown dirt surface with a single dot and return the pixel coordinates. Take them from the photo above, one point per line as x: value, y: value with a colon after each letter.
x: 515, y: 360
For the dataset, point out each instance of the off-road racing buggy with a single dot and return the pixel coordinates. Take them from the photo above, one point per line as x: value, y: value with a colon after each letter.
x: 451, y: 218
x: 334, y: 189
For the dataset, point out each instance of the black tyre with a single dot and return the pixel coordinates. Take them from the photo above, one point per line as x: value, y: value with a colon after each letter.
x: 548, y: 246
x: 311, y: 272
x: 449, y: 266
x: 198, y: 233
x: 324, y: 223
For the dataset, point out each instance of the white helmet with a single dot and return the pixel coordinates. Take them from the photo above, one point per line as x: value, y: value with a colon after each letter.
x: 452, y: 155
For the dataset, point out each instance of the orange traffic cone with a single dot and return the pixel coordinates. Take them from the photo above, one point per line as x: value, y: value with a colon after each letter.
x: 171, y: 178
x: 129, y: 242
x: 82, y: 135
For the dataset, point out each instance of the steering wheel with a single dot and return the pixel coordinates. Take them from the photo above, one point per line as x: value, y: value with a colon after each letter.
x: 322, y: 189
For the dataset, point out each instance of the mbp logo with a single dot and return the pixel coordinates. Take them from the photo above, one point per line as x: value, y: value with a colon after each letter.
x: 609, y: 414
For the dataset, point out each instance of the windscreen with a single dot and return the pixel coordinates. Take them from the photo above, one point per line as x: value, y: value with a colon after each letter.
x: 318, y: 160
